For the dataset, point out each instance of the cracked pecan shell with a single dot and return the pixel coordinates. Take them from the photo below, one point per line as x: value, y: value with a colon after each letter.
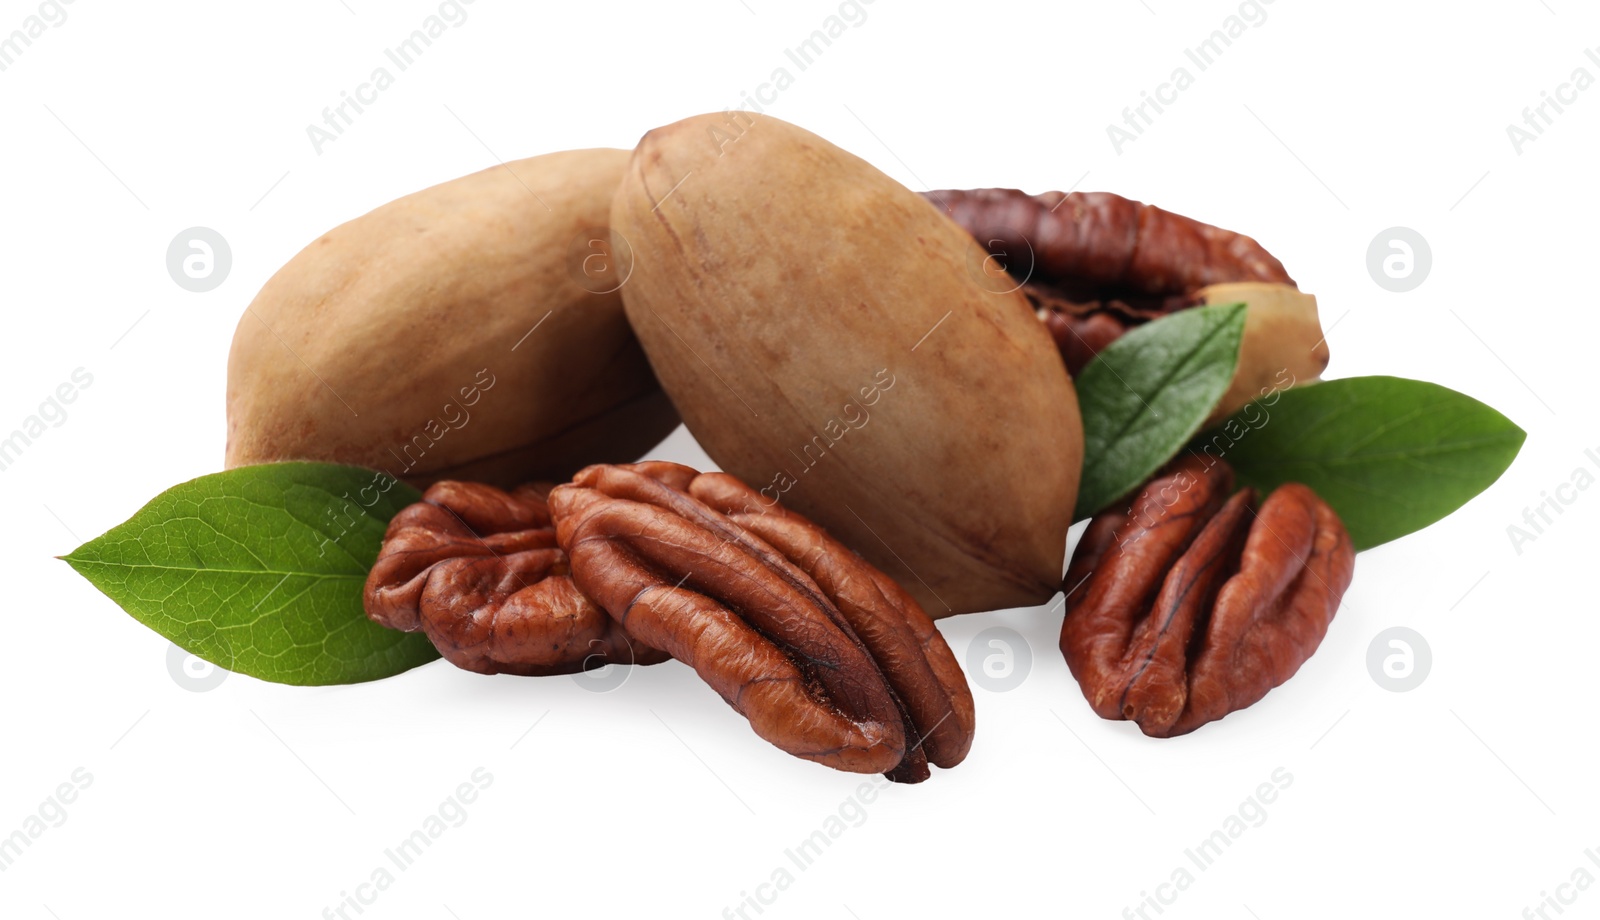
x: 1189, y: 604
x: 825, y: 656
x: 1095, y: 264
x: 478, y: 570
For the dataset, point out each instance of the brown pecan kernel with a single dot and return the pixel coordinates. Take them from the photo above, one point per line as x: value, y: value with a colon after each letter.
x: 1188, y: 604
x: 1096, y: 264
x: 826, y: 656
x: 479, y: 572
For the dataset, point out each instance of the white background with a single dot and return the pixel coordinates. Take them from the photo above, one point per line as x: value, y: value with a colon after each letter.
x: 1318, y: 128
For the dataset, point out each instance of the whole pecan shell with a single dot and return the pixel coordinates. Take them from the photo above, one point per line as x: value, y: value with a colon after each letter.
x: 478, y: 570
x: 1189, y: 604
x: 827, y: 657
x: 1095, y: 264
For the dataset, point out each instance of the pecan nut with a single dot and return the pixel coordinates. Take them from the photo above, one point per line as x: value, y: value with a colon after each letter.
x: 478, y: 570
x: 1189, y: 604
x: 825, y: 656
x: 1096, y: 264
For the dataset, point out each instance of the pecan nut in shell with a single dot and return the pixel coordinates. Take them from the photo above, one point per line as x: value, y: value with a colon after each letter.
x: 478, y: 570
x: 825, y: 656
x: 1189, y: 604
x: 1095, y: 264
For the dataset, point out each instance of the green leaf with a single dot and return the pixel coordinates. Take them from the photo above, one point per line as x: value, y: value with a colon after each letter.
x: 1146, y: 394
x: 1390, y: 455
x: 260, y: 570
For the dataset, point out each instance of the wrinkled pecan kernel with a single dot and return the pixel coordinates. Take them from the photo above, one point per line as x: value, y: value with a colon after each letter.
x: 1188, y: 604
x: 1096, y: 264
x: 479, y: 572
x: 826, y: 656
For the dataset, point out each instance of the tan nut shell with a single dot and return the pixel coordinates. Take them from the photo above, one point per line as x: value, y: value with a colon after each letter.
x: 358, y: 350
x: 1283, y: 340
x: 779, y: 283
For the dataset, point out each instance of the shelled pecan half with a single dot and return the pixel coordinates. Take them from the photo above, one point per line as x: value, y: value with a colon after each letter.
x: 827, y: 657
x: 478, y: 570
x: 1188, y: 604
x: 1095, y: 264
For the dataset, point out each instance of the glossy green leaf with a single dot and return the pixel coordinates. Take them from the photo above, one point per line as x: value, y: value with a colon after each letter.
x: 1390, y: 455
x: 1144, y: 396
x: 260, y: 570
